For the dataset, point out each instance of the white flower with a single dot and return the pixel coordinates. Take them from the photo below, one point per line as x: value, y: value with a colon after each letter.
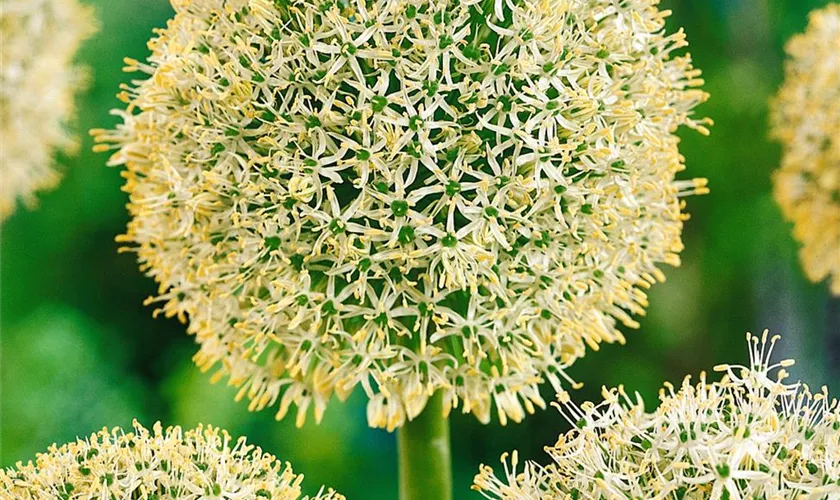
x: 200, y: 464
x: 751, y: 435
x: 407, y: 196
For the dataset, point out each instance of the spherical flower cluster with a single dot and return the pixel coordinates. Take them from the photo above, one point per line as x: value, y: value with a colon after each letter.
x: 406, y: 195
x: 202, y: 463
x: 38, y: 81
x: 751, y: 435
x: 806, y: 120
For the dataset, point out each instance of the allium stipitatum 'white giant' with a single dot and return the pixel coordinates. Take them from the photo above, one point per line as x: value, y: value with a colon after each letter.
x: 750, y: 435
x: 203, y: 463
x: 408, y: 196
x: 806, y: 120
x: 38, y: 83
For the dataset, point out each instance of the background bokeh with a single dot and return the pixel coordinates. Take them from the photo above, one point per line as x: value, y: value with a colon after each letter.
x: 79, y: 351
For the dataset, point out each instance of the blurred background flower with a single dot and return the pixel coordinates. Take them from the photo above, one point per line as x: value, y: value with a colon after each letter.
x: 39, y: 80
x: 806, y: 120
x: 740, y: 272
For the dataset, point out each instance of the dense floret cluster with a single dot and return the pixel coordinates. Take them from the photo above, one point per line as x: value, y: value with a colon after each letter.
x: 806, y: 120
x: 38, y: 82
x: 406, y: 195
x: 750, y: 435
x: 202, y: 463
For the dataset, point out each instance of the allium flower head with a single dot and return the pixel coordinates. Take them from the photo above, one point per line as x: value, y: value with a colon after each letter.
x: 750, y: 435
x: 408, y: 196
x: 203, y: 463
x: 806, y: 120
x: 38, y: 81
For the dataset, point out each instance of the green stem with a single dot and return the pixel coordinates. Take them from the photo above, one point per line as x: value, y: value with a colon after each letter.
x: 424, y: 455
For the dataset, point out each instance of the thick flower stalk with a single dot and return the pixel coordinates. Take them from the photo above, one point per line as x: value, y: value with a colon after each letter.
x: 407, y: 196
x: 38, y: 82
x: 806, y: 120
x: 750, y: 435
x: 202, y: 463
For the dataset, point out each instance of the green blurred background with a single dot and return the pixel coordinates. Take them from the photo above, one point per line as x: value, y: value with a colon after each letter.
x: 79, y: 351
